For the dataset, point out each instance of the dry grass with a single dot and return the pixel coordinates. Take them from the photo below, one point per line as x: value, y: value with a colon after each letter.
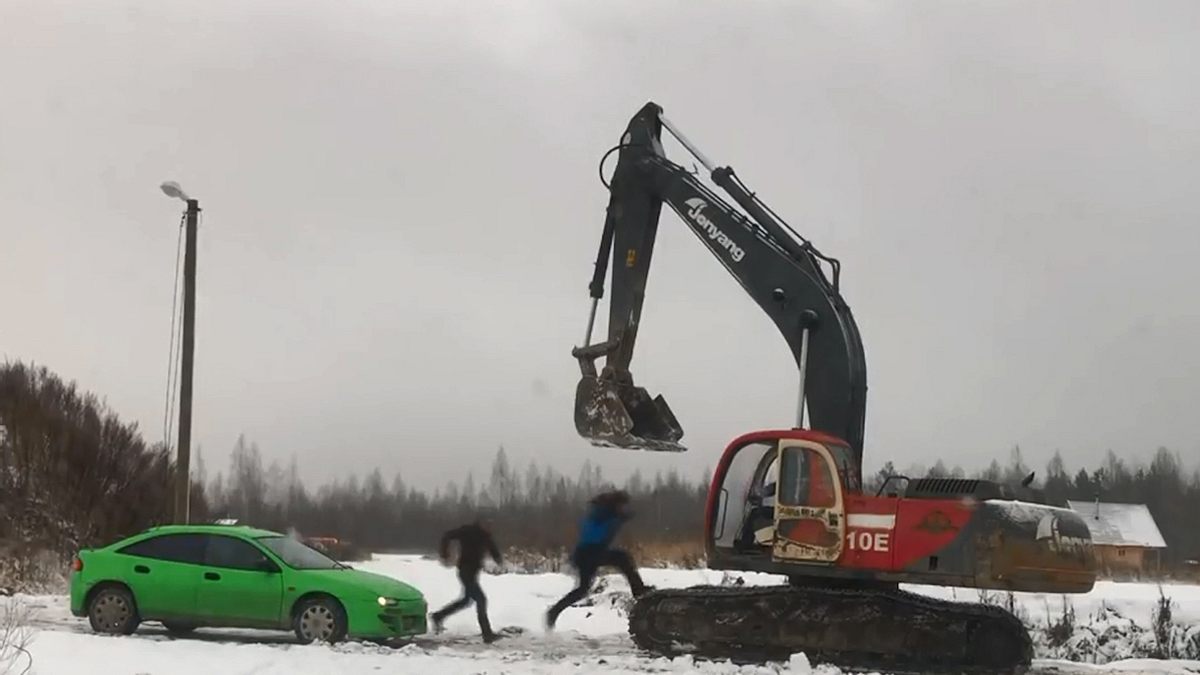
x: 29, y: 569
x: 15, y: 636
x: 686, y: 554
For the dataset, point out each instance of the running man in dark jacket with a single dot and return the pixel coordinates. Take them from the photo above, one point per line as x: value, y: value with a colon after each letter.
x: 605, y: 516
x: 474, y: 541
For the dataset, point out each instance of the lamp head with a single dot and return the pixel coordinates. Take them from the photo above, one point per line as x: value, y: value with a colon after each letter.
x: 172, y: 189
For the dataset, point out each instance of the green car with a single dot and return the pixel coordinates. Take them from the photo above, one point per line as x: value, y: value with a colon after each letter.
x: 186, y: 576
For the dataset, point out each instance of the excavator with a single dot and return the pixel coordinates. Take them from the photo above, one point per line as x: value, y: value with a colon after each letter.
x: 791, y: 502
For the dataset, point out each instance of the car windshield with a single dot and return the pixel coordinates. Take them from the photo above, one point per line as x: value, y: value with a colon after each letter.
x: 299, y: 556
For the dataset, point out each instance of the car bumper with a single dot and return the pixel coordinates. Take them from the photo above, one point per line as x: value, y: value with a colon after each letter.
x: 404, y: 619
x: 79, y: 591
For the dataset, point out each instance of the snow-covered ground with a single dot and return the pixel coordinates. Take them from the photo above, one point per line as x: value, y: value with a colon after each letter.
x: 589, y: 639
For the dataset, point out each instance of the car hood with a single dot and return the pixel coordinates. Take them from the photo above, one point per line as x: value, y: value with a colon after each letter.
x: 366, y: 583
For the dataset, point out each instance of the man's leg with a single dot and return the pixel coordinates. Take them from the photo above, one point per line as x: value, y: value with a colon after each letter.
x: 587, y: 565
x: 474, y: 593
x: 621, y: 560
x: 439, y: 617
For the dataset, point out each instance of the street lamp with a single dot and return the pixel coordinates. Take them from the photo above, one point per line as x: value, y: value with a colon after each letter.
x: 183, y: 483
x: 172, y: 189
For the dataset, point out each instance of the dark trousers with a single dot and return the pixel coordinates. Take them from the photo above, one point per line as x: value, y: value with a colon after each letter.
x: 588, y: 562
x: 472, y: 592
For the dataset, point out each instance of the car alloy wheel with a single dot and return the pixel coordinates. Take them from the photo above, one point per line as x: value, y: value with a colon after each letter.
x: 317, y: 622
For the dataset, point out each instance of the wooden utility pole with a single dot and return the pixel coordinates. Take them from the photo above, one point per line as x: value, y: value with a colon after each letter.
x: 183, y: 482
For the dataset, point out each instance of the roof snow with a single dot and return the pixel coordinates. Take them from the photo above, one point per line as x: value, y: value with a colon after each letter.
x: 1120, y: 524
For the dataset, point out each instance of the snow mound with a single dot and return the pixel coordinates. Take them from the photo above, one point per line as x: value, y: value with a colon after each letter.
x: 1110, y: 636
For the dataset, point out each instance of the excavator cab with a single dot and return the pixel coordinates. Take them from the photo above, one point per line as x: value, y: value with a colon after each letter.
x: 791, y: 502
x: 794, y: 504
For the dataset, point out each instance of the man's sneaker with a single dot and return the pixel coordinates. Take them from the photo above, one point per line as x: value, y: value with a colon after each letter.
x: 437, y: 624
x: 489, y: 638
x: 550, y: 619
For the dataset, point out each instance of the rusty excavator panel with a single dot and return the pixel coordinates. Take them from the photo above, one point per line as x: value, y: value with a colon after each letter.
x: 612, y: 414
x: 1032, y: 547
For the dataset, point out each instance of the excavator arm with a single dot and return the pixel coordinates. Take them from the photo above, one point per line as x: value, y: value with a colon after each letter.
x: 778, y: 268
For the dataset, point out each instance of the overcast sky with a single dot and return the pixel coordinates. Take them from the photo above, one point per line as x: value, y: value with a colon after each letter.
x: 401, y: 208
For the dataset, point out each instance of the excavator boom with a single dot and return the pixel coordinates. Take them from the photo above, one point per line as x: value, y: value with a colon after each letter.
x: 782, y: 272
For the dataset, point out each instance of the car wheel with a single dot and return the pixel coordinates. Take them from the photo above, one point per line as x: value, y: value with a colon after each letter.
x: 178, y: 628
x: 320, y: 620
x: 112, y: 611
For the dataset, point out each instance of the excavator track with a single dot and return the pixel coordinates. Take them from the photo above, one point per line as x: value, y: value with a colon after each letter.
x: 888, y: 630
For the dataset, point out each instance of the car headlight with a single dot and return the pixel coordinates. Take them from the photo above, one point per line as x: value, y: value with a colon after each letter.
x: 387, y: 602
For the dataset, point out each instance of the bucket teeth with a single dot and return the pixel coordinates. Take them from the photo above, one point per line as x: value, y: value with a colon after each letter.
x: 618, y: 415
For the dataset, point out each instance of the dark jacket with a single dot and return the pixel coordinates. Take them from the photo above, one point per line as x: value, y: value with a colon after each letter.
x: 473, y: 543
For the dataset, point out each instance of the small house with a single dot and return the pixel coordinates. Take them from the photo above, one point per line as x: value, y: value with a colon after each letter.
x: 1125, y: 537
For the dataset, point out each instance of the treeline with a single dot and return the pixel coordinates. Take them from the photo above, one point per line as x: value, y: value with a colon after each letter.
x: 72, y: 473
x: 1164, y: 485
x: 538, y: 507
x: 533, y: 508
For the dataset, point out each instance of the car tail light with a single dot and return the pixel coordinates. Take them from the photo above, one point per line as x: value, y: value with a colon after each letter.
x: 77, y: 564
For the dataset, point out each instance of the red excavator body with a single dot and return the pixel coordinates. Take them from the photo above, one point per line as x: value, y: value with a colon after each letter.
x: 790, y: 502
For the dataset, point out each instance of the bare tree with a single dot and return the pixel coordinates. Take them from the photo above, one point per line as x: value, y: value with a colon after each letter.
x: 72, y: 474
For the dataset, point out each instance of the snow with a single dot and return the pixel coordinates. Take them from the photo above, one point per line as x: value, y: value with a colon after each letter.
x: 1134, y: 600
x: 1140, y: 666
x: 1120, y: 524
x: 1026, y: 511
x: 590, y: 638
x: 62, y: 652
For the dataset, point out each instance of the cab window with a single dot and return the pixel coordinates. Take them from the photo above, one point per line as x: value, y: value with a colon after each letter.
x: 841, y: 455
x: 806, y: 479
x: 762, y: 489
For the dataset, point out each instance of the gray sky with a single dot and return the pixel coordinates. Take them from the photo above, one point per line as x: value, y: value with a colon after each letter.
x: 401, y: 210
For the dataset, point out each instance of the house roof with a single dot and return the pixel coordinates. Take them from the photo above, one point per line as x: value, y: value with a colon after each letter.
x: 1120, y: 524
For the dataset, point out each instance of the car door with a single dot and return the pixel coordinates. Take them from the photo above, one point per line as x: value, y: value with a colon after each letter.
x: 163, y: 571
x: 810, y: 522
x: 239, y: 585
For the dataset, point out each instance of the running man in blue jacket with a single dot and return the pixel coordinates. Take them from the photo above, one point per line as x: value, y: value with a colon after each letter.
x: 605, y: 516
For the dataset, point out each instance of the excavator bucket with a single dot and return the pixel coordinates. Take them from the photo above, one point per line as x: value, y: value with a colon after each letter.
x: 609, y: 414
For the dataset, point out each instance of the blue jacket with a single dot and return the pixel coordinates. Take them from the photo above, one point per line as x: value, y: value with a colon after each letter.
x: 599, y: 527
